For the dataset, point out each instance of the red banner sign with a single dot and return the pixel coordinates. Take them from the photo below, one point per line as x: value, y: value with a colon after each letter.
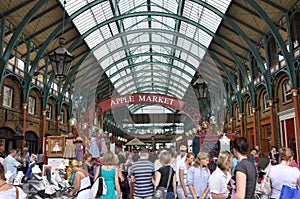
x: 143, y: 98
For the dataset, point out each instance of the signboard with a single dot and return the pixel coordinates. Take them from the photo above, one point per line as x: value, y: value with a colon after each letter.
x: 144, y: 98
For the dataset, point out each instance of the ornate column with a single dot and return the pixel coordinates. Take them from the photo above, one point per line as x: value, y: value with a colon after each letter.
x: 24, y: 115
x: 58, y: 123
x: 297, y: 120
x: 254, y: 126
x: 272, y: 121
x: 43, y: 132
x: 241, y: 117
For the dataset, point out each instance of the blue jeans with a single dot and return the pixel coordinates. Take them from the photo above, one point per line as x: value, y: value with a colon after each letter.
x: 170, y: 195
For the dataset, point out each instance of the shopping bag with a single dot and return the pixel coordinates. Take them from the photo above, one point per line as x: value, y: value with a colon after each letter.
x: 289, y: 193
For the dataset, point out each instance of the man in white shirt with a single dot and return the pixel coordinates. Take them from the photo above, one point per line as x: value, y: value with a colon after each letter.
x: 180, y: 160
x: 10, y: 163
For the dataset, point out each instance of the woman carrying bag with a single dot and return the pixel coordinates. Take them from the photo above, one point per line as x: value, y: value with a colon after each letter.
x: 165, y: 179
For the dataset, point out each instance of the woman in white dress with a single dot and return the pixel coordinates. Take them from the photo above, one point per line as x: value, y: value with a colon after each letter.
x: 56, y: 147
x: 82, y: 181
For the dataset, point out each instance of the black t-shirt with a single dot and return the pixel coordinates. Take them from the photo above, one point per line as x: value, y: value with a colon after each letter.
x: 246, y: 167
x: 164, y: 171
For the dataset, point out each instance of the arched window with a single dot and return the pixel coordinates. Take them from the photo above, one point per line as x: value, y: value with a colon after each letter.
x: 7, y: 137
x: 265, y: 101
x: 249, y: 108
x: 31, y: 141
x: 286, y: 91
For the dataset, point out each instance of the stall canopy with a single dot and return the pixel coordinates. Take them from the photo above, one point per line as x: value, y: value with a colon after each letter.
x: 135, y: 142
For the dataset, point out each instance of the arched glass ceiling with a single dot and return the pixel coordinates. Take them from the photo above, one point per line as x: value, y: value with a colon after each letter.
x: 113, y: 8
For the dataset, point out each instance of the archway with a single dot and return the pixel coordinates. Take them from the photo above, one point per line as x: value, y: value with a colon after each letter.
x: 31, y: 141
x: 7, y: 138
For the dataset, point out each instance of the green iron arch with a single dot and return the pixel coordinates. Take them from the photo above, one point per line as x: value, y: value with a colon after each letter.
x: 16, y: 35
x: 82, y: 10
x: 218, y: 38
x: 164, y: 55
x: 156, y: 86
x: 287, y: 56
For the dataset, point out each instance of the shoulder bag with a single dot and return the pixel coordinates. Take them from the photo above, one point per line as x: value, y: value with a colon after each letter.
x: 99, y: 187
x: 161, y: 192
x: 289, y: 192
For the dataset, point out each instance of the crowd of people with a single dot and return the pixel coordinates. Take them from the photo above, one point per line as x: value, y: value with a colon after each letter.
x: 238, y: 174
x: 184, y: 175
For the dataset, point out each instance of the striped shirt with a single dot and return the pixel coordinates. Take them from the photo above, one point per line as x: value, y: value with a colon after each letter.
x: 143, y: 170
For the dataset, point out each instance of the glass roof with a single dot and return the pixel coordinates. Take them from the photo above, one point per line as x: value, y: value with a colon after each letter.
x: 138, y: 52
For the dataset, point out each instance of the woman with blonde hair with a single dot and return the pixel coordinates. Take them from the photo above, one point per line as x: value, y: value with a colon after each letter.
x: 82, y: 181
x: 32, y: 159
x: 163, y: 173
x: 197, y: 177
x: 183, y: 189
x: 109, y: 172
x: 283, y: 174
x: 220, y: 178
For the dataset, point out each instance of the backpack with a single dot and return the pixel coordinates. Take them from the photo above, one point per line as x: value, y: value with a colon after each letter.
x: 263, y: 184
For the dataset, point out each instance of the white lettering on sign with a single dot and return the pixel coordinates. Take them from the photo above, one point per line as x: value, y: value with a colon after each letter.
x: 122, y: 100
x: 157, y: 99
x: 141, y: 98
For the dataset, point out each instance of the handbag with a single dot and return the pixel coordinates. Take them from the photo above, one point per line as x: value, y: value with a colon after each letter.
x: 264, y: 186
x: 289, y: 192
x: 161, y: 192
x: 99, y: 187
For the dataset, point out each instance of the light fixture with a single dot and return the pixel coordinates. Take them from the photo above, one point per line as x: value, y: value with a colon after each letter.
x: 200, y: 89
x: 72, y: 121
x: 85, y: 125
x: 61, y: 59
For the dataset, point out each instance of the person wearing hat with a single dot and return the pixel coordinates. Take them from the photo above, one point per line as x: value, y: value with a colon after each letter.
x: 180, y: 160
x: 263, y: 184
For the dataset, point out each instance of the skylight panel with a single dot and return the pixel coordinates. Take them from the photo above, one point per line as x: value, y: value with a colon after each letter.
x: 191, y: 10
x: 127, y: 5
x: 162, y: 38
x: 170, y: 5
x: 115, y: 78
x: 81, y: 22
x: 93, y: 39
